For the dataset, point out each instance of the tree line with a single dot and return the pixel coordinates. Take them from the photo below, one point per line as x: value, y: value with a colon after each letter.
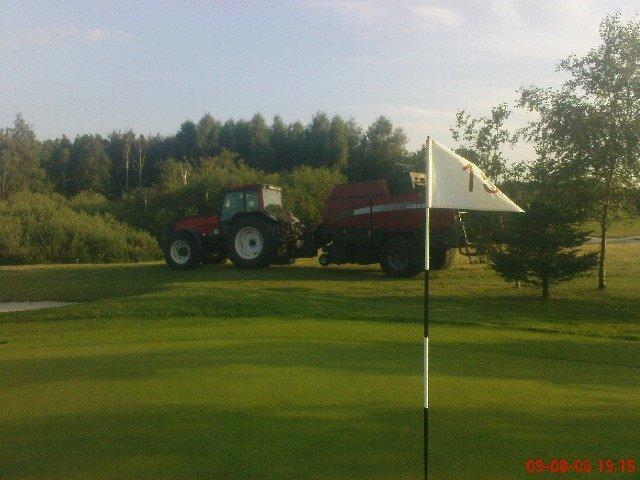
x: 125, y: 161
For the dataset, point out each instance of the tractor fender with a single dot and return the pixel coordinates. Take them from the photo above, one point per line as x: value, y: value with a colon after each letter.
x: 256, y: 213
x: 192, y: 233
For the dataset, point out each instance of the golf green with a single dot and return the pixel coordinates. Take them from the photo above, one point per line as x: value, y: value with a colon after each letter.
x: 306, y: 372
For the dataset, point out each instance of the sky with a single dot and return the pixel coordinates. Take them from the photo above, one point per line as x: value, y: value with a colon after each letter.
x: 75, y: 67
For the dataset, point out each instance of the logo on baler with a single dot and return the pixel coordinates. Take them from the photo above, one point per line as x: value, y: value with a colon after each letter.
x: 387, y: 207
x: 342, y: 215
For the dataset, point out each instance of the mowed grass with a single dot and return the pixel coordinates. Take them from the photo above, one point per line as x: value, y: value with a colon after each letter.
x: 627, y: 227
x: 306, y: 372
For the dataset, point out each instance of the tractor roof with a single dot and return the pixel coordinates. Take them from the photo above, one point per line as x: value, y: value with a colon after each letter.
x: 253, y: 186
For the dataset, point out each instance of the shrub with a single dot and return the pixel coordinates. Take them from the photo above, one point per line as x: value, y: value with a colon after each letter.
x: 38, y: 228
x: 91, y: 203
x: 305, y: 189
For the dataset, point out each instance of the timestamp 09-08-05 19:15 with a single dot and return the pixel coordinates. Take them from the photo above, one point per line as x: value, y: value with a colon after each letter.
x: 581, y: 465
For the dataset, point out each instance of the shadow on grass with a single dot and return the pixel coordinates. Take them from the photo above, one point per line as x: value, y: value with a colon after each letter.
x: 194, y: 442
x: 555, y: 361
x: 185, y: 441
x: 96, y: 282
x: 373, y: 358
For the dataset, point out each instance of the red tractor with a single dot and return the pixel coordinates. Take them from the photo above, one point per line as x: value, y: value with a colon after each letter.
x: 252, y: 230
x: 379, y: 221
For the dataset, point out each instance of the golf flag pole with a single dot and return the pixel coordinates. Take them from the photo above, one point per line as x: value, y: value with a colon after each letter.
x: 451, y: 182
x: 427, y: 203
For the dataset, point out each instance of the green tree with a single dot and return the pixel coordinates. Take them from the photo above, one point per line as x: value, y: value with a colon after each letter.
x: 382, y: 146
x: 89, y: 165
x: 539, y: 247
x: 208, y: 136
x: 157, y: 151
x: 19, y: 159
x: 354, y: 149
x: 228, y: 139
x: 484, y: 138
x: 279, y: 140
x: 260, y: 153
x: 590, y: 126
x: 242, y: 133
x: 119, y: 148
x: 56, y: 163
x: 317, y: 140
x: 186, y: 143
x: 174, y: 174
x: 297, y: 147
x: 140, y: 146
x: 305, y: 189
x: 337, y: 144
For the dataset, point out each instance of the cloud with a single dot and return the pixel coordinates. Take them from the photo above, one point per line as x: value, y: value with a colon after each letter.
x: 55, y: 36
x: 409, y: 111
x: 442, y: 16
x: 546, y: 29
x: 542, y: 30
x: 404, y: 17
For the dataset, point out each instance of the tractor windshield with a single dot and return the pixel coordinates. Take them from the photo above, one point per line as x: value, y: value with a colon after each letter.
x: 239, y: 201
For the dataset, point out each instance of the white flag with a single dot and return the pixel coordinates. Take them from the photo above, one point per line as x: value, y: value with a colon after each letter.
x: 459, y: 184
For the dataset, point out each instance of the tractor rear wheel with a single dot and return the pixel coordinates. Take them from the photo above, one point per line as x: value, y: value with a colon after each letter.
x: 183, y: 252
x: 251, y: 242
x: 400, y: 257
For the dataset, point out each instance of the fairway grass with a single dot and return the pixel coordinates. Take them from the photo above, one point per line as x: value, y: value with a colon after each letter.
x: 306, y: 372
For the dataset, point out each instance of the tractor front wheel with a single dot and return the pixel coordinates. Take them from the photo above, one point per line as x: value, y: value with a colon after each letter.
x: 251, y: 242
x: 183, y: 252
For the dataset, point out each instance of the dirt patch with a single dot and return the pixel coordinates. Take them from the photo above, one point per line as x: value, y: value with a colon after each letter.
x: 20, y: 306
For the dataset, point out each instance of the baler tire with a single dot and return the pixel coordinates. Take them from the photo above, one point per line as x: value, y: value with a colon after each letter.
x: 183, y: 252
x: 400, y: 257
x: 251, y: 243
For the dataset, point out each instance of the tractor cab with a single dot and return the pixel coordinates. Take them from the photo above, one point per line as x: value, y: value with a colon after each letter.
x: 250, y: 198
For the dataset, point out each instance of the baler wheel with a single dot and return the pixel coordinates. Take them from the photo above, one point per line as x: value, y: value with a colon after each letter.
x: 324, y: 260
x: 400, y: 257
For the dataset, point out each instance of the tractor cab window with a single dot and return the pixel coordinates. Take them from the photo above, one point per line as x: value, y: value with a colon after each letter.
x: 251, y: 201
x: 240, y: 201
x: 233, y: 203
x: 272, y: 200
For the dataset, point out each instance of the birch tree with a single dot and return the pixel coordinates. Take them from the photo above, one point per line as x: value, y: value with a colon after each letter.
x: 590, y: 126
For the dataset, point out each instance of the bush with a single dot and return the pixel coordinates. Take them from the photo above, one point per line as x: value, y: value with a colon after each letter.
x: 91, y: 203
x: 306, y: 188
x: 38, y: 228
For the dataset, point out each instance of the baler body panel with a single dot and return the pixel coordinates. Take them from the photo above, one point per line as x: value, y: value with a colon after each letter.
x: 371, y: 206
